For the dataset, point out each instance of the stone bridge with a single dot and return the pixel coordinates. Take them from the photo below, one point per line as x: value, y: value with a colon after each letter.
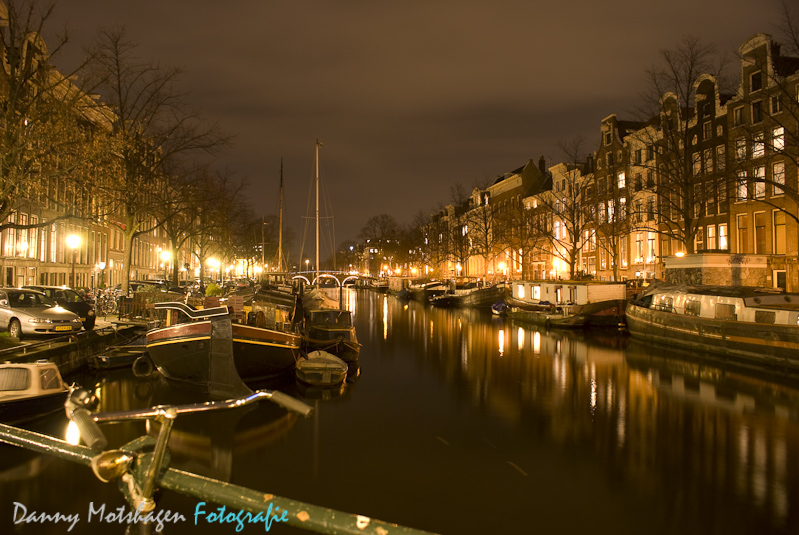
x: 340, y: 277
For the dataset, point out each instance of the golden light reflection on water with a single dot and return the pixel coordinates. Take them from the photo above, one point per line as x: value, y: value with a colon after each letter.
x: 385, y: 317
x: 703, y: 446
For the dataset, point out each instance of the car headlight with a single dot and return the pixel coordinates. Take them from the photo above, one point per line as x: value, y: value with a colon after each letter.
x: 90, y: 313
x: 38, y: 320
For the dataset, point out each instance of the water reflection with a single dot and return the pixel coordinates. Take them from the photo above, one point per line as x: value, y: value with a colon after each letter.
x: 460, y: 415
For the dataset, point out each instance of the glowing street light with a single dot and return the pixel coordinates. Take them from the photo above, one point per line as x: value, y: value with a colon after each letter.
x: 165, y: 257
x: 101, y: 269
x: 73, y: 242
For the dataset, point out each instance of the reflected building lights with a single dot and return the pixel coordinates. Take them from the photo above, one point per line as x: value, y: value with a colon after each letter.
x: 464, y: 353
x: 537, y: 343
x: 385, y: 318
x: 501, y: 342
x: 520, y: 339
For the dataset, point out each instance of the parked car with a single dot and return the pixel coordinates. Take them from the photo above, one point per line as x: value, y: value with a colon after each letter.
x: 71, y: 300
x: 145, y: 286
x: 30, y: 312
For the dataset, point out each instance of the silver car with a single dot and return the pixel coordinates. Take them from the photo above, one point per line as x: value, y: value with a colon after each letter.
x: 28, y: 312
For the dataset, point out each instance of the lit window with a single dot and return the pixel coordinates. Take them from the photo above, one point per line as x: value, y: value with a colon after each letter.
x: 758, y: 145
x: 778, y: 138
x: 723, y: 236
x: 740, y: 149
x: 760, y: 182
x: 743, y: 188
x: 778, y: 177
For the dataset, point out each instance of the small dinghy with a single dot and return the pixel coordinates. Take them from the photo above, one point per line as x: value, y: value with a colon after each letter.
x: 320, y: 368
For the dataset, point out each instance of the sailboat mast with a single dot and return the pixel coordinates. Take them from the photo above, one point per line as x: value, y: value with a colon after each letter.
x: 280, y: 223
x: 316, y: 159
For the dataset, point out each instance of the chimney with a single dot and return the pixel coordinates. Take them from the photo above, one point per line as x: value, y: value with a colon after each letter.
x: 542, y: 165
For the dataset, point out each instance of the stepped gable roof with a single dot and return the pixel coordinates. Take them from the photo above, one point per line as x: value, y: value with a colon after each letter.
x: 783, y: 65
x: 725, y: 97
x: 627, y: 127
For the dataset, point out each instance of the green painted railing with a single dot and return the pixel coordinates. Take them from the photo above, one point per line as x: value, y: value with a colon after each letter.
x: 235, y: 498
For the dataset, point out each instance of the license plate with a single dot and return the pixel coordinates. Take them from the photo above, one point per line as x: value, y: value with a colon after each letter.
x: 63, y: 328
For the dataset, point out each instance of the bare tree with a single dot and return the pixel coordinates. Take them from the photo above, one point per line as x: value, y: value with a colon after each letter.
x: 483, y: 234
x: 380, y: 227
x: 669, y: 104
x: 560, y: 220
x: 51, y: 132
x: 152, y: 126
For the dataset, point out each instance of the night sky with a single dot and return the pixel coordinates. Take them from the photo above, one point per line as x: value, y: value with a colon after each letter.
x: 409, y: 97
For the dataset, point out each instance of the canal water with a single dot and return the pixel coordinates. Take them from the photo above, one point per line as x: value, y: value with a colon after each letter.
x: 466, y: 423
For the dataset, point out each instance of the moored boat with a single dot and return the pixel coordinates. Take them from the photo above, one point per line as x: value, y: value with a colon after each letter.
x: 424, y: 291
x: 470, y: 295
x: 331, y: 330
x: 752, y: 324
x: 320, y: 368
x: 180, y: 349
x: 30, y: 390
x: 568, y: 304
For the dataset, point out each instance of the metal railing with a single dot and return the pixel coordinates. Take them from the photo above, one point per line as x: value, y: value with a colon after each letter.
x: 141, y: 467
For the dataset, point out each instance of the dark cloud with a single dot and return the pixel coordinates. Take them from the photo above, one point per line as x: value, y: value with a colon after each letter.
x: 408, y: 97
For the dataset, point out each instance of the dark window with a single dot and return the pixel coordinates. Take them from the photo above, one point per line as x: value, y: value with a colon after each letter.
x: 765, y: 316
x: 738, y: 116
x: 756, y: 82
x: 757, y: 112
x: 725, y: 312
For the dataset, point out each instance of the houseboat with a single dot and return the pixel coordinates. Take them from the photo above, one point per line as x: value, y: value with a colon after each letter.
x: 470, y: 294
x: 567, y: 304
x: 180, y: 347
x: 752, y: 324
x: 423, y: 291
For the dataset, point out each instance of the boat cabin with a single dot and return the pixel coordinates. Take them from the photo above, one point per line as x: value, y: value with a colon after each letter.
x: 751, y: 305
x: 24, y: 380
x: 330, y: 317
x: 566, y: 292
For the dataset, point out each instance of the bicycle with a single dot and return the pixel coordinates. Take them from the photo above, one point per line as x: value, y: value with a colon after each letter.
x: 106, y: 303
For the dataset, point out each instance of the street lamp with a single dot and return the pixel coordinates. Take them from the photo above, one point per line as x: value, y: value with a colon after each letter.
x: 101, y: 269
x: 73, y: 242
x: 165, y: 257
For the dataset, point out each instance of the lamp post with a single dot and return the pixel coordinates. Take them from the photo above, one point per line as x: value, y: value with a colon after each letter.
x: 101, y: 267
x: 165, y: 257
x: 73, y: 242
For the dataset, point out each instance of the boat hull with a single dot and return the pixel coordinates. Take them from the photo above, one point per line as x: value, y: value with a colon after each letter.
x: 605, y: 314
x: 475, y: 298
x: 753, y: 342
x: 30, y: 408
x: 321, y: 369
x: 182, y: 352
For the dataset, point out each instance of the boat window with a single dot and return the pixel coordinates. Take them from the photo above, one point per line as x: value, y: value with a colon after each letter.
x: 725, y: 312
x: 765, y: 316
x: 693, y: 307
x: 14, y: 379
x: 49, y: 379
x: 664, y: 303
